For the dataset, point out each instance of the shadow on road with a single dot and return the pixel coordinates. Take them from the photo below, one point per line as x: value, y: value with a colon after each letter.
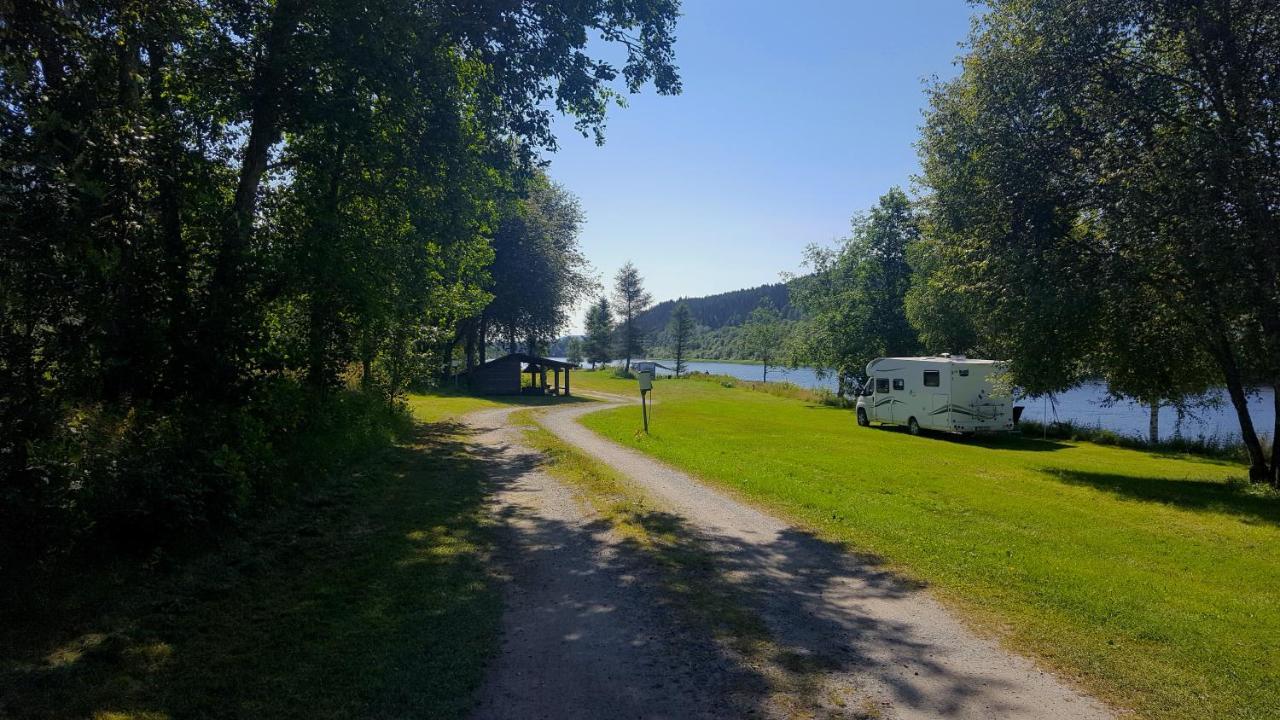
x: 762, y: 629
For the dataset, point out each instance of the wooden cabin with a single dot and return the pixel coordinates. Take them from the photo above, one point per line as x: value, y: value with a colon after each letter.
x: 503, y: 376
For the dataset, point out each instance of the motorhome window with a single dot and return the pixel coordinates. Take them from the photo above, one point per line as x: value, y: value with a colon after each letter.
x: 964, y: 372
x: 882, y: 385
x: 899, y: 384
x: 931, y: 378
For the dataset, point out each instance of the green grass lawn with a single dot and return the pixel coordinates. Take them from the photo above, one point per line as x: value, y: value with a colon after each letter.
x: 368, y: 597
x: 1153, y: 580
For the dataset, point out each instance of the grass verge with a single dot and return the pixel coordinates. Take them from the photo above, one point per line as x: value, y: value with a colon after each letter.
x: 1148, y: 577
x: 368, y: 598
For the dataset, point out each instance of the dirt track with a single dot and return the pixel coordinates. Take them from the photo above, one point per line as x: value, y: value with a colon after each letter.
x: 587, y: 634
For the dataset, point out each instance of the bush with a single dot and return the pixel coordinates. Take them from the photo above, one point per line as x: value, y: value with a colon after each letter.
x: 143, y: 478
x: 1215, y: 446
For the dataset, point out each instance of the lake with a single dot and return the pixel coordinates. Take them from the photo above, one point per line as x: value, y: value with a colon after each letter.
x: 1085, y: 404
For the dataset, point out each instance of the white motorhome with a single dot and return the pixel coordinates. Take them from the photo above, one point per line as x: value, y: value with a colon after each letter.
x: 949, y: 393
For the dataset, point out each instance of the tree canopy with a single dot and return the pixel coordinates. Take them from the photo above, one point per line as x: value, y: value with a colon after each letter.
x: 765, y: 333
x: 598, y: 345
x: 853, y: 303
x: 680, y: 330
x: 206, y: 199
x: 629, y: 299
x: 538, y: 273
x: 1101, y: 183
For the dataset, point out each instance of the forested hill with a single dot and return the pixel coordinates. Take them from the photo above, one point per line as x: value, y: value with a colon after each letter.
x: 716, y: 311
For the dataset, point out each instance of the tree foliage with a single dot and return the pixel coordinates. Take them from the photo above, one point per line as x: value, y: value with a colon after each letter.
x: 1103, y: 180
x: 765, y: 335
x: 629, y: 299
x: 575, y: 350
x: 538, y: 274
x: 680, y: 331
x: 216, y: 213
x: 598, y: 345
x: 854, y: 302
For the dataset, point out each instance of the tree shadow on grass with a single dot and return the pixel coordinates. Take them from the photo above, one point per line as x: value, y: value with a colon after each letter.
x: 368, y: 597
x: 1011, y: 442
x: 1014, y: 442
x: 1201, y: 495
x: 516, y: 400
x: 1004, y: 441
x: 537, y: 400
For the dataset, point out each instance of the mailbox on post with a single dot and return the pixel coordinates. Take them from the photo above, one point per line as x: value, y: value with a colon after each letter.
x: 644, y: 373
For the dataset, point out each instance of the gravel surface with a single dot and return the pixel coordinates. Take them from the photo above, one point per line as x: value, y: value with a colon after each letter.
x: 842, y: 620
x: 586, y: 633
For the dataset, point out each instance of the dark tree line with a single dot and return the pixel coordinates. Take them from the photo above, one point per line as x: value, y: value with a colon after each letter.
x: 720, y: 310
x: 217, y: 215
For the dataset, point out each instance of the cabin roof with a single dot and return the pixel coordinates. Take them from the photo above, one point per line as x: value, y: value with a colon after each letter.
x: 533, y: 360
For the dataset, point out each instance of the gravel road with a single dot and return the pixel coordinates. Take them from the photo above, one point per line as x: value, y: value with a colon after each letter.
x: 586, y: 634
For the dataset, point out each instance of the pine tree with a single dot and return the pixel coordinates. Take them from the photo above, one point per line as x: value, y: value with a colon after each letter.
x: 680, y: 329
x: 599, y: 341
x: 630, y: 298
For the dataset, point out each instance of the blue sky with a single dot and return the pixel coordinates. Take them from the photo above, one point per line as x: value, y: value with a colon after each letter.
x: 794, y: 116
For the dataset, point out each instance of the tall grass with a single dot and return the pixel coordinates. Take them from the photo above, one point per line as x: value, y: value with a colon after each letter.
x: 1223, y: 447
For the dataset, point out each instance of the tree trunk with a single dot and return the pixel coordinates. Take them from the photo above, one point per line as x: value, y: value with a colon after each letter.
x: 1153, y: 424
x: 1275, y: 437
x: 1258, y: 469
x: 469, y: 340
x: 483, y: 333
x: 324, y: 310
x: 228, y: 284
x: 628, y: 339
x: 169, y: 204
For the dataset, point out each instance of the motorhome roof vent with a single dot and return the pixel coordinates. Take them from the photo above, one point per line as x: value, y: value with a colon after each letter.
x: 957, y: 357
x: 946, y: 355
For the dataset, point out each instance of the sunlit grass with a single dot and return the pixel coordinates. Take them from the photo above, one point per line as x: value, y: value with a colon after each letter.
x: 1151, y: 578
x: 444, y: 405
x: 448, y: 404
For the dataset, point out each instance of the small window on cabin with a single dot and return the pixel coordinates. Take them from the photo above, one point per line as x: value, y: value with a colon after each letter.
x: 964, y: 372
x: 882, y: 385
x: 899, y: 384
x: 931, y: 378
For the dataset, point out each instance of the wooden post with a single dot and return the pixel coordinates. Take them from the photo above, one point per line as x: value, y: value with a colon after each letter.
x: 557, y: 381
x: 566, y: 382
x: 644, y: 408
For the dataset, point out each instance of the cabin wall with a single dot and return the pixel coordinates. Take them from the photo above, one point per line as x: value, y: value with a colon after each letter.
x: 496, y: 379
